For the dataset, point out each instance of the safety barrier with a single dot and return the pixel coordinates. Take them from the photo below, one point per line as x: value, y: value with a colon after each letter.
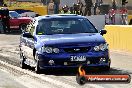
x: 41, y: 10
x: 119, y: 37
x: 129, y: 18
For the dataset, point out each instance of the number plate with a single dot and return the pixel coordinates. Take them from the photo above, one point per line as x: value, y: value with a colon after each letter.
x: 78, y: 58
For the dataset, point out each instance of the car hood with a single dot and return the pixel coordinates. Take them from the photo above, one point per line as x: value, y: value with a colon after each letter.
x: 61, y: 39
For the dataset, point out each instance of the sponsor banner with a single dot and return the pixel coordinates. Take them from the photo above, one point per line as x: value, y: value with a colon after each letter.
x: 82, y: 78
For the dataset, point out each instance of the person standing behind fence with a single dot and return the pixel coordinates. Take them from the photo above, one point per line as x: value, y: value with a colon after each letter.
x: 114, y: 4
x: 88, y: 7
x: 76, y: 9
x: 65, y: 10
x: 51, y: 7
x: 56, y: 6
x: 79, y: 2
x: 5, y: 18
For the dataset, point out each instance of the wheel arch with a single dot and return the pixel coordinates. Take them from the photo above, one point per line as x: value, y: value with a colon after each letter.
x: 22, y: 24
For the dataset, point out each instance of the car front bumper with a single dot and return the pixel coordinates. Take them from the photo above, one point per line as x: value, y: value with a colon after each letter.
x: 63, y: 60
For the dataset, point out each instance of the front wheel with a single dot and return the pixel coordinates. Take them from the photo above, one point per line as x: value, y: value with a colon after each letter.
x: 105, y: 68
x: 22, y: 59
x: 37, y: 68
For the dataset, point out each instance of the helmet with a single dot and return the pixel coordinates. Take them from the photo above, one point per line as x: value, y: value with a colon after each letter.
x: 74, y: 5
x: 65, y: 8
x: 78, y: 6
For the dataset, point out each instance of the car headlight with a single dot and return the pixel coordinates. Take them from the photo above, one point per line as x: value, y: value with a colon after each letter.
x: 50, y: 50
x: 96, y: 48
x: 56, y: 50
x: 101, y: 47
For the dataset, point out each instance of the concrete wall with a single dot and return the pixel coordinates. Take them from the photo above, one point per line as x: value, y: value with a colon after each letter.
x: 41, y: 10
x: 129, y: 18
x: 119, y: 37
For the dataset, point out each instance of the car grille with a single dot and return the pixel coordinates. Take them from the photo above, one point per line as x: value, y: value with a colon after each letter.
x: 77, y: 50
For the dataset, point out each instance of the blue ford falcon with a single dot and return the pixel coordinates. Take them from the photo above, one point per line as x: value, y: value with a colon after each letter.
x: 63, y: 41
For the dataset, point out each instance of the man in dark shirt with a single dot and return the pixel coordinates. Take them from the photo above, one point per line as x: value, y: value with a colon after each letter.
x: 56, y: 6
x: 88, y: 7
x: 5, y: 19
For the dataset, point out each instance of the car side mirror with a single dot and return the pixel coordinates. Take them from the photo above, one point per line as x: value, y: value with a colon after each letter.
x: 27, y: 34
x: 102, y: 32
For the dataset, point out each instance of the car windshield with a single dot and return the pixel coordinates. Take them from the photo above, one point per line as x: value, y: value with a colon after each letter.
x: 64, y: 26
x: 14, y: 14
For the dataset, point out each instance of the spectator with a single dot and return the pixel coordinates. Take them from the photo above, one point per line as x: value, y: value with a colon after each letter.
x: 88, y: 7
x: 4, y: 5
x: 65, y: 10
x: 51, y: 7
x: 5, y: 19
x: 114, y: 5
x: 56, y: 6
x: 1, y: 2
x: 95, y: 8
x: 79, y: 2
x: 77, y: 9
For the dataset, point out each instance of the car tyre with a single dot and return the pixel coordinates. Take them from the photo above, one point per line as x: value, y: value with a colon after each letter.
x: 37, y: 68
x: 105, y: 68
x: 22, y: 27
x: 22, y: 59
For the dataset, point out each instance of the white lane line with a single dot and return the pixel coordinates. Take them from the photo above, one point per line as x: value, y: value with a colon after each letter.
x: 47, y: 79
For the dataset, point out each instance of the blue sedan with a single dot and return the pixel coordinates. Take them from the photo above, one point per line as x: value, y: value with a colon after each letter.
x: 63, y: 41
